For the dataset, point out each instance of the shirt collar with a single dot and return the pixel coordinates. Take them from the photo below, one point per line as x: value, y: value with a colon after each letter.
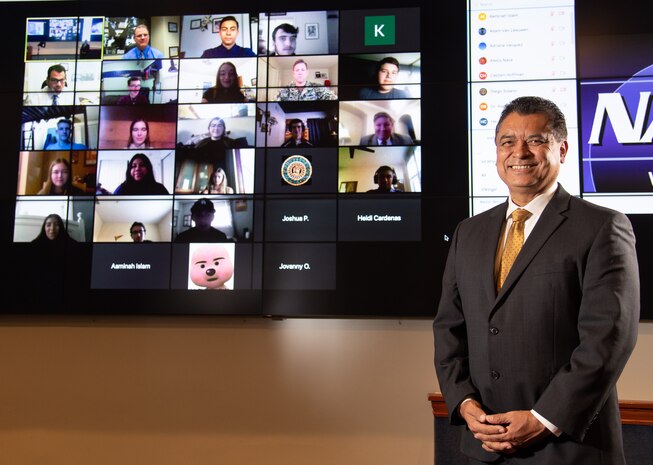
x: 535, y: 206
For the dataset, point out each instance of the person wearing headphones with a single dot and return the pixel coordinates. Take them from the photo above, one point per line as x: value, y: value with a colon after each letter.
x: 386, y: 178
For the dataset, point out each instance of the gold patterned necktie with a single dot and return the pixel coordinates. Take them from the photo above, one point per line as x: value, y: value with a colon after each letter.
x: 514, y: 243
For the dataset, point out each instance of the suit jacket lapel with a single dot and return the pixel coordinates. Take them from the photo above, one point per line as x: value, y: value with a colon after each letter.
x: 551, y: 218
x: 493, y: 231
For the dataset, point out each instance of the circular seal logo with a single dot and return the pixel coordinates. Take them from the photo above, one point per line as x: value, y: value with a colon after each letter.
x: 296, y: 170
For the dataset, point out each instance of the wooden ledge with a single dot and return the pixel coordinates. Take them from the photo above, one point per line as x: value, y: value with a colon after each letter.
x: 633, y: 412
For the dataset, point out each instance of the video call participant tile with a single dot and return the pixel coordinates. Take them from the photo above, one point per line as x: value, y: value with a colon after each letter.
x: 316, y: 171
x: 379, y: 219
x: 386, y: 30
x: 131, y: 266
x: 237, y: 257
x: 299, y: 266
x: 301, y: 220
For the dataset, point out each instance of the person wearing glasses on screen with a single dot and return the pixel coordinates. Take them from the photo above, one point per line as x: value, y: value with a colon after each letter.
x: 143, y: 50
x: 135, y: 97
x: 217, y: 140
x: 296, y: 128
x: 302, y: 89
x: 387, y: 71
x: 384, y: 132
x: 64, y: 138
x: 55, y: 82
x: 227, y: 88
x: 228, y: 48
x: 139, y: 178
x: 137, y: 232
x: 284, y: 38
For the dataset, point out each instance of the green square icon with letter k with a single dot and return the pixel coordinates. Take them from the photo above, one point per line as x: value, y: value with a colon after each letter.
x: 379, y: 30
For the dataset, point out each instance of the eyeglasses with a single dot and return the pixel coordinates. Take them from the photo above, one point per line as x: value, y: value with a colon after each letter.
x: 141, y: 35
x: 57, y: 80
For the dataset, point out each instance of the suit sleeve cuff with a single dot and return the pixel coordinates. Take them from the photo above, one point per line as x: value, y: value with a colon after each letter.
x: 550, y: 426
x: 464, y: 401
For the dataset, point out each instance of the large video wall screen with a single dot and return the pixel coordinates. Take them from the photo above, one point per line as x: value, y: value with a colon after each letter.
x: 235, y: 152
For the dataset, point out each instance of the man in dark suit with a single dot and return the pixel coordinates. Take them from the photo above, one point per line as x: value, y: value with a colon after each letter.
x: 528, y: 362
x: 384, y: 132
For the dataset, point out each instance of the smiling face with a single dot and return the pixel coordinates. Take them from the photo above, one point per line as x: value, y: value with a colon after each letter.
x: 528, y: 155
x: 139, y: 132
x: 387, y: 76
x: 383, y: 128
x: 134, y: 88
x: 142, y: 37
x: 216, y: 129
x: 52, y: 228
x: 299, y: 73
x: 138, y: 169
x: 228, y: 33
x: 59, y: 176
x: 227, y: 76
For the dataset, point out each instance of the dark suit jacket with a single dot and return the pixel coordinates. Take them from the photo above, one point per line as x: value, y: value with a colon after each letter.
x: 556, y: 337
x: 397, y: 139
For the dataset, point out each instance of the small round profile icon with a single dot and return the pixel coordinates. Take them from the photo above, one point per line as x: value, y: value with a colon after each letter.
x: 483, y: 121
x: 482, y: 91
x: 482, y: 31
x: 296, y: 170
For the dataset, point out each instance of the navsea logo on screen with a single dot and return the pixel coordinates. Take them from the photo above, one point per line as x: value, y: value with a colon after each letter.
x: 379, y: 30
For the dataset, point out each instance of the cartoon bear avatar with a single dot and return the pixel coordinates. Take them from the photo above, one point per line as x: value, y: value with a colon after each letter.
x: 211, y: 266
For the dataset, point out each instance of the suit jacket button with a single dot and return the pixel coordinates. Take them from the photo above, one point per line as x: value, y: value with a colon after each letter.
x: 495, y: 374
x: 494, y: 331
